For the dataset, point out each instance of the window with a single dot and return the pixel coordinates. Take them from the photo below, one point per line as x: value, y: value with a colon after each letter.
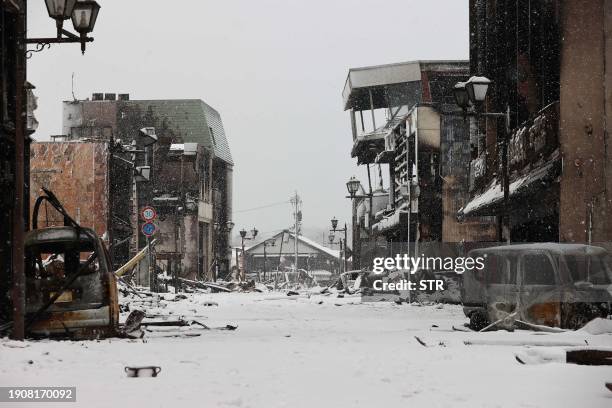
x: 537, y: 270
x: 500, y: 269
x: 212, y: 135
x: 593, y: 269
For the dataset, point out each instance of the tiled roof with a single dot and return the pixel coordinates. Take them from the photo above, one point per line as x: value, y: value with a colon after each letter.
x: 193, y: 120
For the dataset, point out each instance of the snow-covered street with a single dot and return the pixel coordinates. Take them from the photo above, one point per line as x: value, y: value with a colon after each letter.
x: 313, y: 351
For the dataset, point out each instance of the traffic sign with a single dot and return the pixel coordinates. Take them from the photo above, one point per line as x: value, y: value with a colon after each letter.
x: 148, y: 213
x: 148, y: 228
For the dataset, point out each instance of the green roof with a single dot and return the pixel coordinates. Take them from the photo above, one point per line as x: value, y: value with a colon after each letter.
x: 193, y: 120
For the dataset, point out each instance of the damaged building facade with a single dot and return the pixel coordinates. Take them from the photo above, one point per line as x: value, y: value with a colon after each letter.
x: 404, y: 120
x: 186, y: 176
x: 558, y: 93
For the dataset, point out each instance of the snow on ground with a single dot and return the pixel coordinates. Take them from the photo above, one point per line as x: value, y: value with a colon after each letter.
x: 304, y: 353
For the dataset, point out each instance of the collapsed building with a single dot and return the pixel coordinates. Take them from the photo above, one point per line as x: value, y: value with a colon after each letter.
x: 557, y: 90
x: 424, y: 143
x: 106, y: 173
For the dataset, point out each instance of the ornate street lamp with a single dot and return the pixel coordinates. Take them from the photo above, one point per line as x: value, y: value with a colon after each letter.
x: 461, y: 96
x: 83, y: 13
x: 477, y: 87
x: 334, y: 223
x: 84, y: 18
x: 353, y: 186
x: 60, y: 10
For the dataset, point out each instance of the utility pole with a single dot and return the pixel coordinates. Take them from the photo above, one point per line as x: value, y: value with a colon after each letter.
x: 296, y: 201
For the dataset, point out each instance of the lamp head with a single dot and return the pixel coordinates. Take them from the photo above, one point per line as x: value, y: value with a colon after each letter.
x: 334, y: 223
x: 353, y: 186
x: 477, y: 87
x: 461, y: 96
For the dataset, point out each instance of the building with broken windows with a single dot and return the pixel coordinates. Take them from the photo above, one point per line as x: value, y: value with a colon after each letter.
x: 186, y: 176
x: 547, y: 61
x: 406, y: 128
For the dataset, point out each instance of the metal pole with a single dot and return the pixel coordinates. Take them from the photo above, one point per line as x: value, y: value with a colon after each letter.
x: 296, y: 231
x: 340, y: 257
x: 150, y: 258
x: 265, y: 262
x: 345, y: 251
x: 506, y: 176
x: 17, y: 241
x: 242, y: 265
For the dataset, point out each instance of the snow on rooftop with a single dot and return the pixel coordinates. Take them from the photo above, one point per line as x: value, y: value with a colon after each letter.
x: 332, y: 252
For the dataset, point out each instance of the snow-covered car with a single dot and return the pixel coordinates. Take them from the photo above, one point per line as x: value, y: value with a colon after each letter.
x: 559, y: 285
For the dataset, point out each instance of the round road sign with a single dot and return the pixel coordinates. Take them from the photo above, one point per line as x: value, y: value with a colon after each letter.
x: 148, y: 213
x: 148, y: 229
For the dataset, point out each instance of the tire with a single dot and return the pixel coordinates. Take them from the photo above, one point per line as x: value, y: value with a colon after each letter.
x: 478, y: 320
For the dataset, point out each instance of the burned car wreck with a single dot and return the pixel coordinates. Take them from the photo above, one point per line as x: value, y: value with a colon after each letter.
x: 71, y: 290
x: 555, y: 285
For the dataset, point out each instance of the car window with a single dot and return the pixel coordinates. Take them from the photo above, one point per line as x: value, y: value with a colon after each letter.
x: 537, y: 270
x: 500, y: 269
x: 495, y: 266
x: 589, y: 268
x: 58, y: 265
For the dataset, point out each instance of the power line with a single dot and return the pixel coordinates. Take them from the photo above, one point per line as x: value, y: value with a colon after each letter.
x: 262, y: 207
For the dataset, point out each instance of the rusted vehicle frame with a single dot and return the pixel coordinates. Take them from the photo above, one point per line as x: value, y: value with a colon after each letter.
x: 83, y: 301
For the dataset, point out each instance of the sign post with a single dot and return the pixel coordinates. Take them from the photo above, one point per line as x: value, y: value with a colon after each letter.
x: 149, y: 214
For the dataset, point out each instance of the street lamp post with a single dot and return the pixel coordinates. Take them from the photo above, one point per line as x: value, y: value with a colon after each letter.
x: 334, y: 223
x: 353, y: 185
x: 472, y: 94
x: 270, y: 242
x: 221, y: 229
x: 331, y: 238
x: 83, y: 14
x: 243, y: 236
x: 59, y: 10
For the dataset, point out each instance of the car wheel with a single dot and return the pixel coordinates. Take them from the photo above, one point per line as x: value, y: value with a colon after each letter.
x: 478, y: 321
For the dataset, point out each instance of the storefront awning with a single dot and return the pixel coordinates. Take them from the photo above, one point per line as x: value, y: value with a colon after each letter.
x: 537, y: 179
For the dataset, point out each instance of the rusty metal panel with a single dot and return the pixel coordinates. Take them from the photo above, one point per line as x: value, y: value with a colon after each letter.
x: 77, y: 172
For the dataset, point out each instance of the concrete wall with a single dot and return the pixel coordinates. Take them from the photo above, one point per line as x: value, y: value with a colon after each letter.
x: 77, y: 173
x: 584, y: 201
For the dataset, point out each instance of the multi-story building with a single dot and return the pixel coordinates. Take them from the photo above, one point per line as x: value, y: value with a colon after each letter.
x: 548, y: 62
x: 190, y: 177
x: 424, y: 144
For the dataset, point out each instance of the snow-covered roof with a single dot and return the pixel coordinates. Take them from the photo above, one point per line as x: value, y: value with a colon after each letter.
x: 547, y: 246
x: 494, y: 192
x: 332, y: 252
x: 188, y: 149
x: 256, y: 248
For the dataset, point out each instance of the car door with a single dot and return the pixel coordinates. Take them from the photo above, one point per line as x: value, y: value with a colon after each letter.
x: 539, y: 291
x: 500, y: 294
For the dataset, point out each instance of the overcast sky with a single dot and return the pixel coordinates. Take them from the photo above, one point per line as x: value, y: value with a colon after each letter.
x: 274, y: 69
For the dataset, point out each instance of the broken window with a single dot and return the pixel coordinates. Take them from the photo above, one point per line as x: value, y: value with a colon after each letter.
x: 593, y: 269
x: 537, y: 270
